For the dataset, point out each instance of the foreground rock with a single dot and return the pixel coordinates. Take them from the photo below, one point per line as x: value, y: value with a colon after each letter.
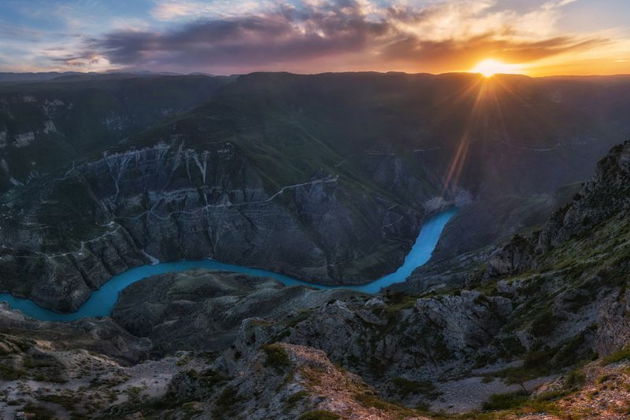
x: 102, y: 336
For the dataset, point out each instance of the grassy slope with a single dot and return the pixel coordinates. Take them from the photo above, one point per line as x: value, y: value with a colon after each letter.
x: 89, y: 115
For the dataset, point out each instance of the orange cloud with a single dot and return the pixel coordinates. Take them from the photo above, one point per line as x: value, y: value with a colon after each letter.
x: 338, y: 35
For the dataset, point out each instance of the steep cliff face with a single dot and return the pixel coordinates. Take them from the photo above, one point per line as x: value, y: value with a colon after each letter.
x: 286, y: 352
x: 250, y: 179
x: 602, y: 201
x: 507, y: 329
x: 566, y: 282
x: 606, y: 195
x: 324, y: 177
x: 46, y: 125
x: 64, y: 237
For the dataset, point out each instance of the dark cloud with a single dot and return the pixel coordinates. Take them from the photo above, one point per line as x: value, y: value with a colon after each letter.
x: 292, y: 36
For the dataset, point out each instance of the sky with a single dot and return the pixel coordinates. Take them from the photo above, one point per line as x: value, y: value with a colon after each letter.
x: 534, y: 37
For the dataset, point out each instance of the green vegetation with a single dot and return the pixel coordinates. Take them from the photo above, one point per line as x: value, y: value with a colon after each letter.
x: 191, y: 408
x: 225, y: 404
x: 207, y: 378
x: 134, y: 394
x: 618, y: 356
x: 92, y: 114
x: 293, y: 399
x: 276, y: 356
x: 319, y: 415
x: 405, y: 387
x: 546, y: 360
x: 510, y: 346
x: 66, y: 400
x: 575, y: 379
x: 38, y: 412
x: 9, y: 373
x: 398, y: 301
x: 544, y: 324
x: 506, y: 401
x: 369, y: 399
x: 299, y: 317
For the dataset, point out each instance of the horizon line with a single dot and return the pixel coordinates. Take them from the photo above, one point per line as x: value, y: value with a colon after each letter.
x: 383, y: 72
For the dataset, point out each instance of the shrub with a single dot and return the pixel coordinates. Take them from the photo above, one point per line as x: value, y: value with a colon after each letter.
x: 208, y: 378
x: 293, y: 399
x: 505, y: 401
x: 406, y: 387
x: 574, y: 379
x: 226, y: 403
x: 319, y: 415
x: 544, y: 324
x: 277, y: 357
x: 8, y: 373
x: 511, y: 346
x: 66, y: 400
x: 618, y: 356
x: 369, y: 399
x: 38, y: 412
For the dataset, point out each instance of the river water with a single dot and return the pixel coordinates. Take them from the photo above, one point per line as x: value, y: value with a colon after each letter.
x: 102, y: 301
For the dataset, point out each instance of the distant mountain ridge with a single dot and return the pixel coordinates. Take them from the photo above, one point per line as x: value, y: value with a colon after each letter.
x: 25, y: 77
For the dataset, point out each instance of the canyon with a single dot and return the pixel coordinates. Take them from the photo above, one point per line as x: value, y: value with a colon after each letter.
x: 327, y: 179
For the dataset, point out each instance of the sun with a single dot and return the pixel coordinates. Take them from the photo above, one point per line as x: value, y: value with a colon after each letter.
x: 489, y: 67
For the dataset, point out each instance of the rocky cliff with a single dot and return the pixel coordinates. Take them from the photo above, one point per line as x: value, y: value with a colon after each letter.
x: 45, y: 125
x: 64, y: 237
x: 602, y: 201
x: 544, y: 339
x: 497, y: 333
x: 203, y: 310
x: 314, y: 176
x: 268, y: 175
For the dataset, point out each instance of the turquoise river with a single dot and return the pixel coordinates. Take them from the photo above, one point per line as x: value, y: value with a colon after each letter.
x: 102, y: 301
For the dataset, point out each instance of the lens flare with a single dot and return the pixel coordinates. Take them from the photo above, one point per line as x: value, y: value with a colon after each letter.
x: 490, y: 67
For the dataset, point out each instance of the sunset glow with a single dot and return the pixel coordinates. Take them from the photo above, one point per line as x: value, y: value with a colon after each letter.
x: 490, y: 67
x: 545, y: 37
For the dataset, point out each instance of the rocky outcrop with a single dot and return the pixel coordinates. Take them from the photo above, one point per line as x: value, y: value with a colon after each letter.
x: 605, y: 196
x: 416, y: 350
x: 87, y: 369
x: 495, y: 218
x: 517, y: 255
x: 202, y: 310
x: 613, y: 328
x: 284, y: 381
x: 176, y: 203
x: 101, y: 336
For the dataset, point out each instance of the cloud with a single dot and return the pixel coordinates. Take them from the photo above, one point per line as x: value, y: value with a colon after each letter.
x: 320, y: 35
x: 173, y: 10
x: 469, y: 51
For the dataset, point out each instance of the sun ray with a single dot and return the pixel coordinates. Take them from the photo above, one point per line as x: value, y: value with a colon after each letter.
x: 489, y: 67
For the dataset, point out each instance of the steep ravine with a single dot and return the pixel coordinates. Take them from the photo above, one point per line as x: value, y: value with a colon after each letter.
x: 68, y: 236
x: 501, y: 328
x: 523, y: 318
x: 325, y: 177
x: 534, y: 334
